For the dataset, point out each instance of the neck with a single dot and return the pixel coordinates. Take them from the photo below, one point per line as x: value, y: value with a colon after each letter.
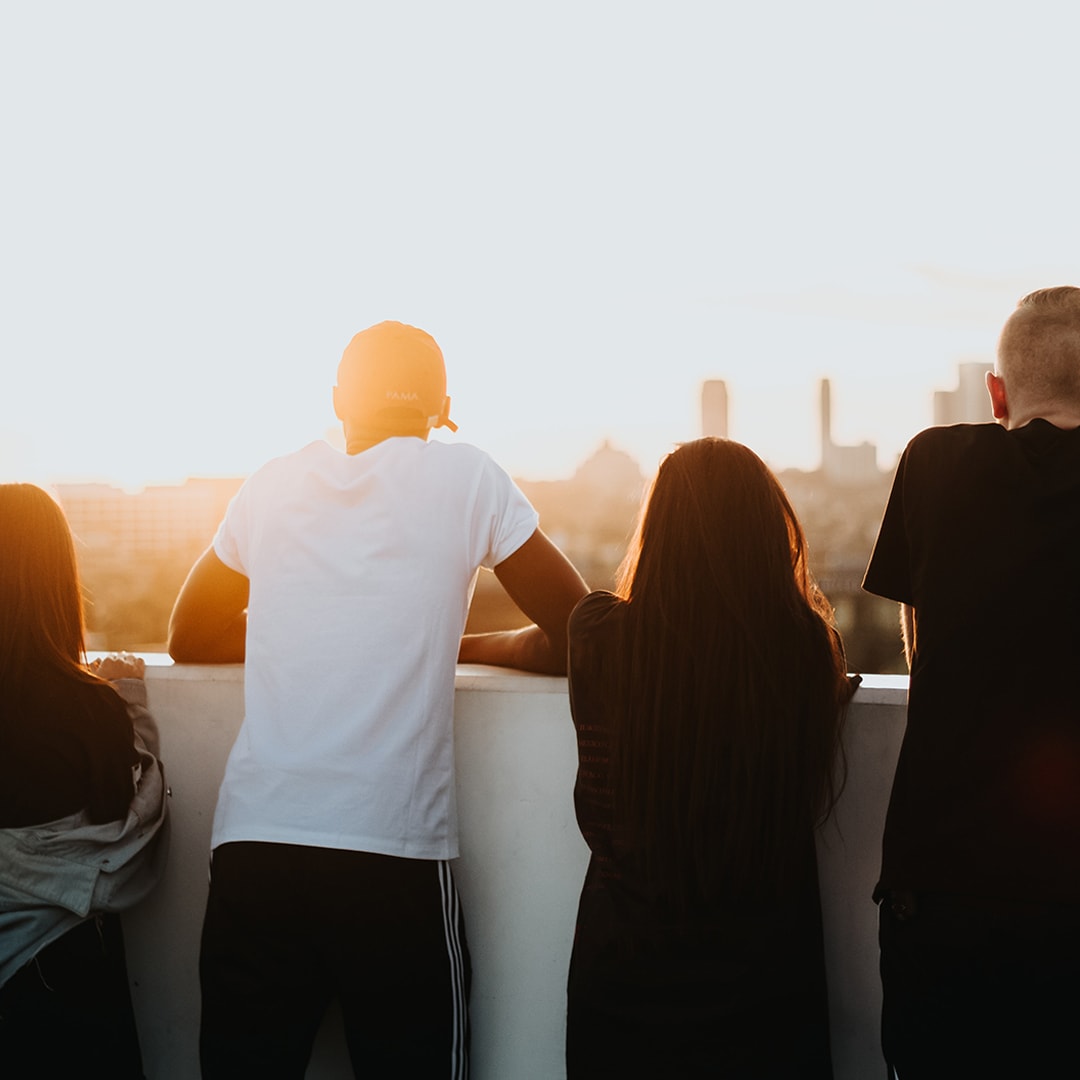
x: 1061, y: 416
x: 357, y: 445
x: 360, y: 438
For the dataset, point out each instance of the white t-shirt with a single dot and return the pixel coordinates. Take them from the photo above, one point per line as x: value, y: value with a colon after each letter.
x: 361, y: 568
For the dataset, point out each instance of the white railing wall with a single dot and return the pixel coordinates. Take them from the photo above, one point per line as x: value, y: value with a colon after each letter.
x: 519, y: 874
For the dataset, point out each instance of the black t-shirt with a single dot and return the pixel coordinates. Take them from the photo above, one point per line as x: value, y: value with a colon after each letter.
x: 981, y: 537
x: 65, y: 744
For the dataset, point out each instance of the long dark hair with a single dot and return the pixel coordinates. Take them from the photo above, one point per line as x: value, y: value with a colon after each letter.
x: 727, y: 730
x: 41, y: 609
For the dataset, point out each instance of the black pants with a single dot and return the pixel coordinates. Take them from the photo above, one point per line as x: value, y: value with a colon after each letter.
x: 288, y: 928
x: 978, y: 988
x: 68, y: 1012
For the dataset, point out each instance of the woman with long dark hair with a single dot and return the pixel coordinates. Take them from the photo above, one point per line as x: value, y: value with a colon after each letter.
x: 707, y: 694
x: 82, y: 809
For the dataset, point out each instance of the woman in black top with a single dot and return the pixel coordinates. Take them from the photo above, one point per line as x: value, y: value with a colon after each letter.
x: 707, y: 695
x: 67, y: 751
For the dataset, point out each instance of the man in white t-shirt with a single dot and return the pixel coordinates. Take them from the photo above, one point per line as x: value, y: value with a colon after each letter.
x: 343, y: 581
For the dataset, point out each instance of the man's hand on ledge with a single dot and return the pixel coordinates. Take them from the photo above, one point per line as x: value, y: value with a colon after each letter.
x: 542, y: 581
x: 527, y: 649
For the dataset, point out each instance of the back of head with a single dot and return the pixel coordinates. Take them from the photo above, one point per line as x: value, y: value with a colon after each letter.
x: 728, y: 714
x: 716, y: 528
x: 392, y: 381
x: 41, y: 614
x: 1039, y: 351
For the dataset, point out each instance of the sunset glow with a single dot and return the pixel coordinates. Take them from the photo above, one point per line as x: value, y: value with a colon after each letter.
x: 592, y: 208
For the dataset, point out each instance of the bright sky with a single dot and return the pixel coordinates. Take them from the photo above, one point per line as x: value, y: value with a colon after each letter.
x: 591, y: 206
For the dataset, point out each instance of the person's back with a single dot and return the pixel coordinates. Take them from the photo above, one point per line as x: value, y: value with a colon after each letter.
x: 83, y: 811
x: 993, y: 744
x: 979, y: 545
x: 343, y: 580
x: 706, y: 696
x: 361, y: 568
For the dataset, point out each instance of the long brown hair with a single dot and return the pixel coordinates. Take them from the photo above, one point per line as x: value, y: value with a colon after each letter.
x: 41, y: 610
x: 727, y: 730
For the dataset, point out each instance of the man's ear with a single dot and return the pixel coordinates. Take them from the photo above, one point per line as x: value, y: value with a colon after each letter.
x: 999, y: 401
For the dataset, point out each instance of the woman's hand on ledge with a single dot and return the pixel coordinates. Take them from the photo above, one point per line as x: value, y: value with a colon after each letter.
x: 123, y: 665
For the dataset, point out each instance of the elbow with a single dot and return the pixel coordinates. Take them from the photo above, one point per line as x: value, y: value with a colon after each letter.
x: 181, y: 645
x: 188, y: 642
x: 197, y: 642
x: 184, y: 637
x: 553, y: 660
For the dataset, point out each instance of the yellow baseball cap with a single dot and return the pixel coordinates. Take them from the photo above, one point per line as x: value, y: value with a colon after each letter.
x: 393, y: 374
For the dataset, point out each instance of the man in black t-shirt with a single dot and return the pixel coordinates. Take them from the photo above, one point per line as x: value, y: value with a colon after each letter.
x: 980, y: 879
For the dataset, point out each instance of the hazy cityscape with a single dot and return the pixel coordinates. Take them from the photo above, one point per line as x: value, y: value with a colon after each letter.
x: 136, y: 548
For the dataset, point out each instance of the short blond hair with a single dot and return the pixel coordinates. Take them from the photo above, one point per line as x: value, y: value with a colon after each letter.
x: 1039, y: 348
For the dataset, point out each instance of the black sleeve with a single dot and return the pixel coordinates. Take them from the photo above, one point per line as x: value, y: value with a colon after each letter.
x: 585, y: 635
x: 889, y: 571
x: 110, y: 756
x: 69, y: 745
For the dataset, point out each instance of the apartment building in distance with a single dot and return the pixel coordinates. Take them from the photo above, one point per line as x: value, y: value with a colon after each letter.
x: 134, y: 550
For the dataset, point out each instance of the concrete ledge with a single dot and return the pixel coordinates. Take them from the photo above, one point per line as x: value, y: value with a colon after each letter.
x: 519, y: 874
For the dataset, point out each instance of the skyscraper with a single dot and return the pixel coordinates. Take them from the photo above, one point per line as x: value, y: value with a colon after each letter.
x: 714, y: 408
x: 844, y: 464
x: 969, y: 403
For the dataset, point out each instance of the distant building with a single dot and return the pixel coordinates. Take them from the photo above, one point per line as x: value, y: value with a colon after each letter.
x: 610, y: 471
x: 714, y: 408
x: 134, y: 550
x: 969, y: 403
x: 844, y: 465
x: 115, y: 527
x: 591, y: 516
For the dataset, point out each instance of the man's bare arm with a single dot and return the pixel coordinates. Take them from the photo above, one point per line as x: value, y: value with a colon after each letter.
x: 209, y: 619
x: 542, y: 581
x: 907, y: 631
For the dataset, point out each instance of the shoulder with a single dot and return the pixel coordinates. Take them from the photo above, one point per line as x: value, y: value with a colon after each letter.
x: 956, y: 439
x: 597, y: 658
x: 465, y: 472
x: 594, y: 614
x: 280, y: 473
x: 460, y: 456
x: 938, y: 454
x: 314, y: 455
x: 90, y: 693
x: 92, y: 709
x: 417, y: 458
x: 107, y: 702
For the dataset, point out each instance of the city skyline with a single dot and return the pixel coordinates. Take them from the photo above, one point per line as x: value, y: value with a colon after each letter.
x: 952, y: 404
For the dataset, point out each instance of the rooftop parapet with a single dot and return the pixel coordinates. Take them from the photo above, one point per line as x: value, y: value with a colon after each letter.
x: 521, y: 867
